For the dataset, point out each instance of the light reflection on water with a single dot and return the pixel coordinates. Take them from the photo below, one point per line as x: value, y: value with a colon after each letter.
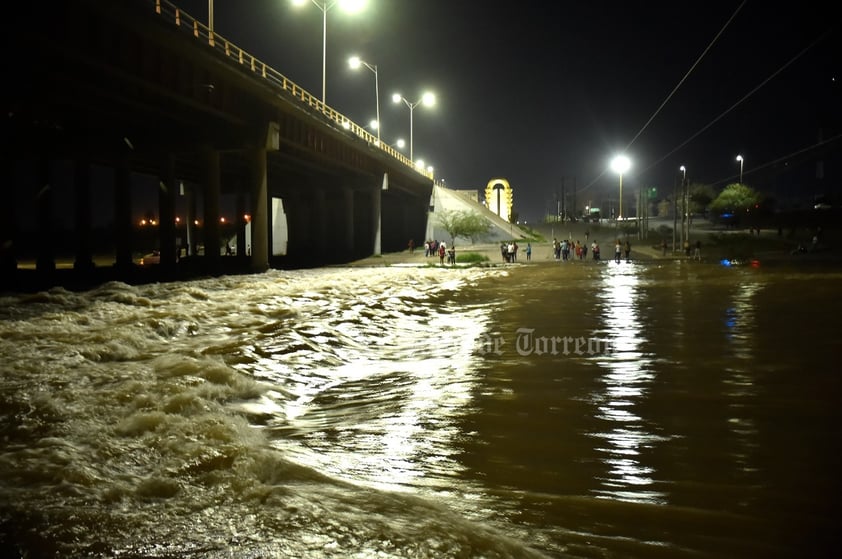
x: 372, y: 388
x: 388, y: 413
x: 626, y: 377
x: 740, y: 385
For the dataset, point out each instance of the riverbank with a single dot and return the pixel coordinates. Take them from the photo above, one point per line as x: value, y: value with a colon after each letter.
x: 716, y: 245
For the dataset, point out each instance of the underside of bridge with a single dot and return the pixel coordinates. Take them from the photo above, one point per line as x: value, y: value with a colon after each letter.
x: 125, y: 133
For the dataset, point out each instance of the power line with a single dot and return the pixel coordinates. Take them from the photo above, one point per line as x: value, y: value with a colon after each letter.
x: 687, y: 75
x: 678, y: 85
x: 744, y: 98
x: 795, y: 153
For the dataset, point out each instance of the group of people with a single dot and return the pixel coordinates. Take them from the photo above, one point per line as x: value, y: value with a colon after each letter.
x: 620, y: 249
x: 567, y: 250
x: 509, y: 251
x: 440, y: 249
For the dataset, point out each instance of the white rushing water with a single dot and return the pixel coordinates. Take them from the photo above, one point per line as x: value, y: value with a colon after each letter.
x: 287, y: 414
x: 426, y: 413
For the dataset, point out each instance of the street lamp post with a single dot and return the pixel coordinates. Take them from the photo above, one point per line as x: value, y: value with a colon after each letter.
x: 325, y: 6
x: 355, y: 62
x: 740, y: 159
x: 683, y: 170
x: 620, y: 165
x: 428, y: 99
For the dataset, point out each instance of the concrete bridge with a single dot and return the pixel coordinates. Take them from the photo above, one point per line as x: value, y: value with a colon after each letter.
x: 137, y: 90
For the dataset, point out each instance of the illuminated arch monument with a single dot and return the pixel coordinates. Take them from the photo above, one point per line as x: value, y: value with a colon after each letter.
x: 498, y: 198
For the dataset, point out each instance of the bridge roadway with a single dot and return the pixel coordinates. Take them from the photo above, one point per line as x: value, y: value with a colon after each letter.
x: 141, y: 89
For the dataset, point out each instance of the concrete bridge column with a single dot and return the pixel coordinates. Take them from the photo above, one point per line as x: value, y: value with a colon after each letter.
x: 190, y: 221
x: 377, y: 225
x: 299, y: 230
x: 84, y: 262
x: 259, y: 211
x: 211, y: 207
x: 167, y: 190
x: 241, y: 225
x: 123, y: 215
x: 347, y: 241
x: 319, y: 223
x: 45, y: 261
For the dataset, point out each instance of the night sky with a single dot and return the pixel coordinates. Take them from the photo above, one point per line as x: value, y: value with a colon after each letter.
x: 543, y: 92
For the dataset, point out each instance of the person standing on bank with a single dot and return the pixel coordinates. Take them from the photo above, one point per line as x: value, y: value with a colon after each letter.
x: 627, y: 249
x: 617, y: 251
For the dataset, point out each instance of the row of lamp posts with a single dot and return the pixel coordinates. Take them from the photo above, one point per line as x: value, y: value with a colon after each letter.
x: 620, y: 164
x: 427, y: 99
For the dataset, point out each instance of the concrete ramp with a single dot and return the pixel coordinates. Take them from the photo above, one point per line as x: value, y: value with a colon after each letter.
x: 447, y: 200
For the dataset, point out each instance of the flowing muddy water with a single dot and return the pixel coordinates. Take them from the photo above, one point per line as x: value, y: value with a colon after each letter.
x: 554, y: 410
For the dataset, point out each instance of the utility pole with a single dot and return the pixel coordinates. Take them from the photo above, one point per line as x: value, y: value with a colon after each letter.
x: 674, y: 210
x: 563, y: 198
x: 574, y: 196
x: 687, y: 209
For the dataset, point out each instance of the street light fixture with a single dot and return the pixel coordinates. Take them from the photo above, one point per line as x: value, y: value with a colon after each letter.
x: 428, y: 100
x: 740, y: 159
x: 683, y: 170
x: 355, y: 62
x: 349, y: 6
x: 620, y: 165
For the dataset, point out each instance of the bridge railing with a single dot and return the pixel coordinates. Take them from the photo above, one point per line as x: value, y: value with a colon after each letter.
x: 201, y: 32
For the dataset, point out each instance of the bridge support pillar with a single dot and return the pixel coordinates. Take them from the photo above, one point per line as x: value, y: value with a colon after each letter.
x: 348, y: 231
x: 190, y: 221
x: 241, y: 225
x: 319, y: 223
x: 45, y: 262
x: 259, y: 212
x: 123, y: 215
x: 211, y: 207
x: 167, y: 189
x: 377, y: 225
x: 84, y: 262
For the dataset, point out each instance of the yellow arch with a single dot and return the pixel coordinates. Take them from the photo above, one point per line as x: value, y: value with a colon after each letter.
x: 505, y: 202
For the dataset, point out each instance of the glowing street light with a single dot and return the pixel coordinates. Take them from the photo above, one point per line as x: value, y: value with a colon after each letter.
x: 428, y: 100
x: 399, y: 143
x: 740, y: 159
x: 349, y: 6
x: 355, y: 62
x: 620, y: 165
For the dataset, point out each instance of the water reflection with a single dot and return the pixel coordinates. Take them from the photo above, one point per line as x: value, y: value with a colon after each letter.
x: 371, y: 390
x: 740, y: 392
x: 627, y: 376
